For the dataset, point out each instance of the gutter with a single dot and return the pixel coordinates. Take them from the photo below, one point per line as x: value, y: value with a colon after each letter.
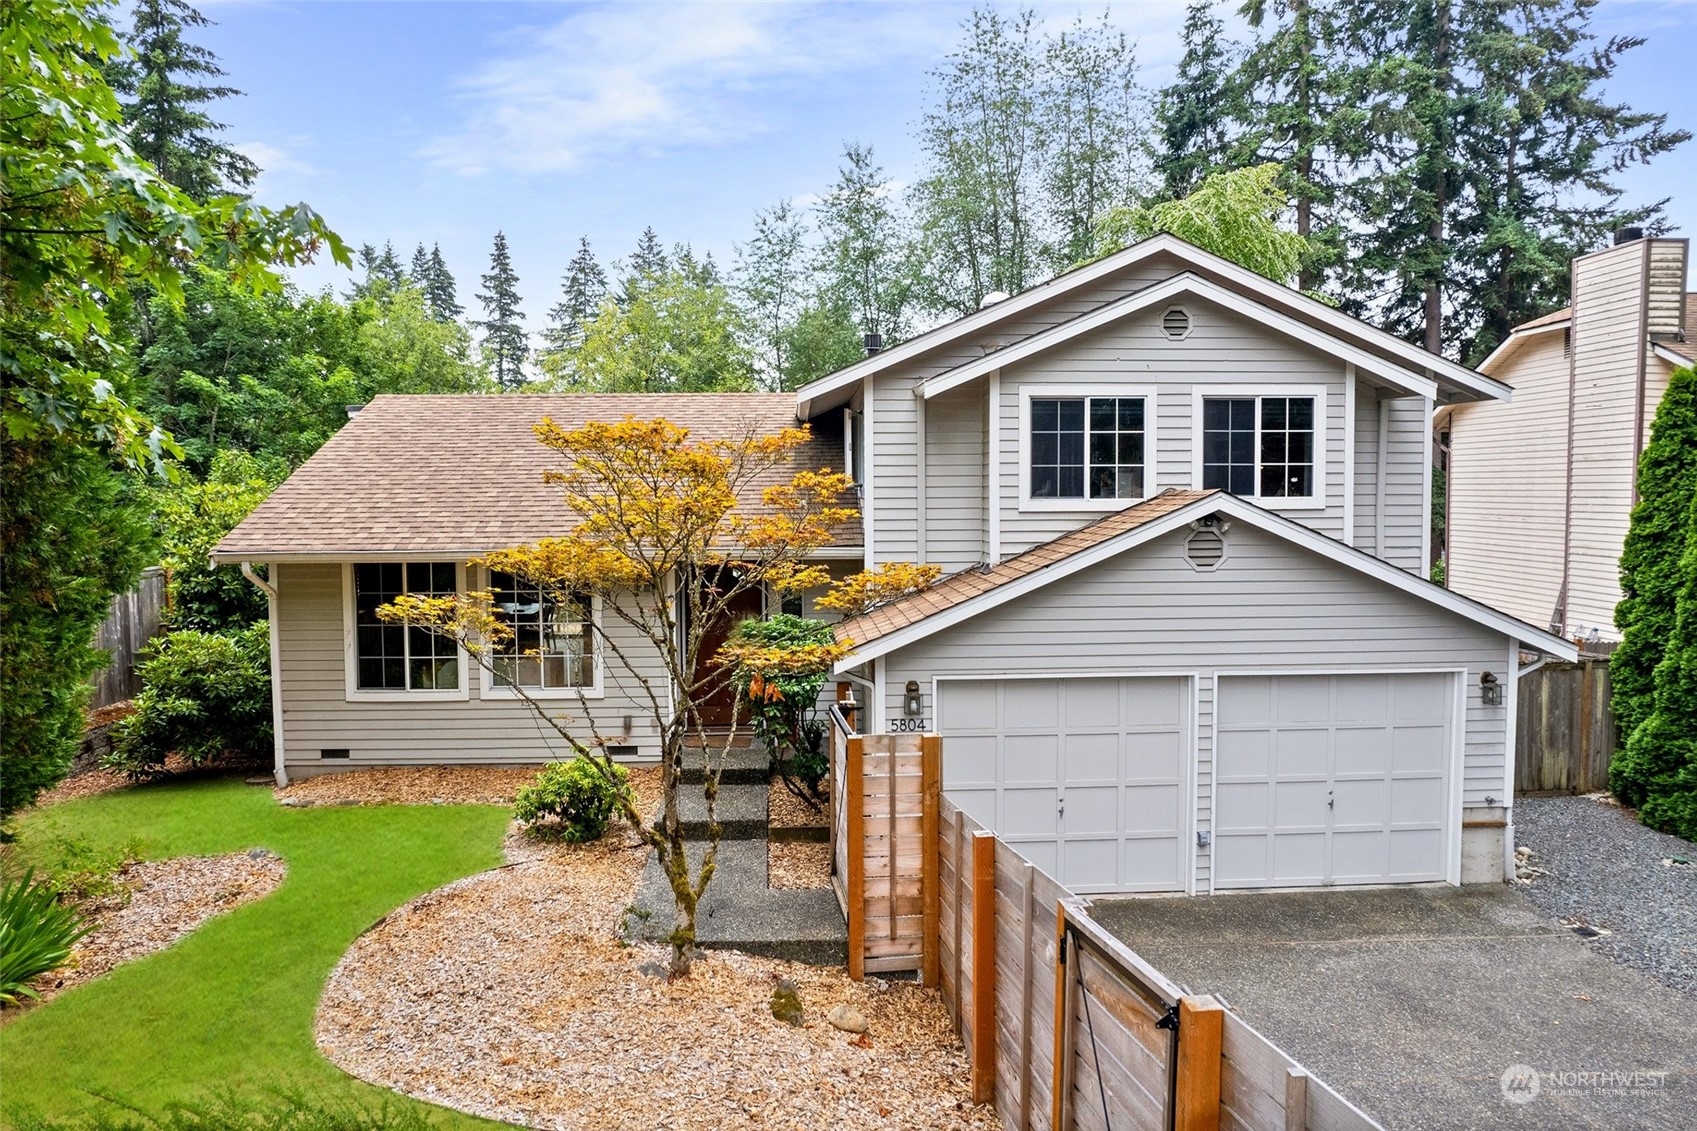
x: 269, y: 588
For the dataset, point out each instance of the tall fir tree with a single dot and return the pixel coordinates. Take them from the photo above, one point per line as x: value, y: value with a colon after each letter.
x: 165, y: 94
x: 383, y: 272
x: 582, y: 290
x: 1649, y: 575
x: 647, y: 263
x: 1199, y: 115
x: 440, y: 293
x: 505, y: 346
x: 418, y: 271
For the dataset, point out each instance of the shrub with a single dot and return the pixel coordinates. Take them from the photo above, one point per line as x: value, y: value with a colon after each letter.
x: 37, y: 933
x: 810, y: 763
x: 779, y: 698
x: 204, y: 695
x: 193, y: 517
x: 575, y: 793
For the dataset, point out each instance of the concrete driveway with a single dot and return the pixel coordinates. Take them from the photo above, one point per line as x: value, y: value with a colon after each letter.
x: 1412, y: 1002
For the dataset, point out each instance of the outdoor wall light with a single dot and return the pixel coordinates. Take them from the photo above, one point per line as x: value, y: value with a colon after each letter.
x: 912, y: 704
x: 1490, y: 690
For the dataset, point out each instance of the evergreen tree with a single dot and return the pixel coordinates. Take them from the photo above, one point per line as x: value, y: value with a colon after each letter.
x: 439, y: 290
x: 1649, y: 575
x: 418, y: 272
x: 165, y: 98
x: 680, y: 334
x: 383, y: 273
x: 647, y: 262
x: 504, y: 343
x: 1661, y: 756
x: 1199, y: 114
x: 864, y: 258
x: 581, y: 292
x: 772, y: 281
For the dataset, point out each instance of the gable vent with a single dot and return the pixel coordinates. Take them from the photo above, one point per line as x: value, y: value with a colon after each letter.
x: 1205, y: 549
x: 1175, y: 323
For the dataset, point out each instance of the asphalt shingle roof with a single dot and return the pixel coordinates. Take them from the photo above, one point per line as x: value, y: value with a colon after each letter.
x: 970, y: 583
x: 463, y: 474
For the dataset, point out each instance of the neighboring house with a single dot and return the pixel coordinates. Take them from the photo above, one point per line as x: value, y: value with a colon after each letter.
x: 1541, y: 491
x: 1186, y: 642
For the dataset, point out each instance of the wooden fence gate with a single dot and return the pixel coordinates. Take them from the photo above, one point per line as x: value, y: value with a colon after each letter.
x: 131, y: 621
x: 1565, y: 729
x: 1065, y: 1027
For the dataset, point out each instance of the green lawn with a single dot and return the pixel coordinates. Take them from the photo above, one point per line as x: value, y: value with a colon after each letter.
x: 232, y: 1004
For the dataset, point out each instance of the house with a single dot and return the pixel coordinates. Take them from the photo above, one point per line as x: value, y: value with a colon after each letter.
x: 1185, y: 642
x: 1541, y: 490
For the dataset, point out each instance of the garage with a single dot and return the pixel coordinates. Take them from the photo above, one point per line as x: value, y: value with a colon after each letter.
x: 1088, y: 777
x: 1333, y: 779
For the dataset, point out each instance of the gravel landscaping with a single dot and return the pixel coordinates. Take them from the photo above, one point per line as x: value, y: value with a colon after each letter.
x: 510, y: 995
x: 1594, y: 866
x: 157, y: 903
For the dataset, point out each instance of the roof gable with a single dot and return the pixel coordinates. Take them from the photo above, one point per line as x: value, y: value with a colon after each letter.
x: 966, y: 594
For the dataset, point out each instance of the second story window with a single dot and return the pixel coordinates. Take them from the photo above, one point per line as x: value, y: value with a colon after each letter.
x: 1259, y: 447
x: 1086, y: 448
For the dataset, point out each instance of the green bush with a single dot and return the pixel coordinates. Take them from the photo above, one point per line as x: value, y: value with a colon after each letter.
x: 783, y: 700
x: 275, y: 1110
x: 193, y: 517
x: 37, y: 933
x: 204, y: 695
x: 810, y: 762
x: 576, y: 794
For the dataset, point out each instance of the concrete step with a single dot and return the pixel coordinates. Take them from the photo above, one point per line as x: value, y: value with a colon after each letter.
x: 740, y: 809
x: 740, y: 912
x: 740, y: 765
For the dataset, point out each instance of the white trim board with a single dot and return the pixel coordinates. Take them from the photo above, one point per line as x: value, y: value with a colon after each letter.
x: 1193, y: 285
x: 1459, y: 376
x: 1238, y: 510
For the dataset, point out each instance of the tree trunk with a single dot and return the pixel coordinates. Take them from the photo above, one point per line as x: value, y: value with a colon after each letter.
x: 1304, y: 139
x: 1439, y: 166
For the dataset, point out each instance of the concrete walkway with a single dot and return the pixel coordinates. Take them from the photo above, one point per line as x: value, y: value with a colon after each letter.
x: 740, y: 910
x: 1413, y: 1002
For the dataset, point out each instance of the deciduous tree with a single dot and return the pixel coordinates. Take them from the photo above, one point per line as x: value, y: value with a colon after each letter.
x: 1235, y: 215
x: 772, y: 285
x: 866, y: 257
x: 677, y: 334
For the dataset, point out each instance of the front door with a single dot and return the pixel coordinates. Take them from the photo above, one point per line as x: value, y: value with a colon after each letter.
x: 717, y: 700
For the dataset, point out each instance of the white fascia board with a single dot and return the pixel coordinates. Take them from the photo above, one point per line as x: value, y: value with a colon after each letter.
x: 1678, y: 361
x: 1291, y: 531
x: 1196, y: 286
x: 824, y: 553
x: 1511, y: 344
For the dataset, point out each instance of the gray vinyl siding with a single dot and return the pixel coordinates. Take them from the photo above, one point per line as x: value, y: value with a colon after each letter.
x: 955, y: 494
x: 1222, y: 348
x: 1367, y: 469
x: 318, y: 715
x: 894, y: 425
x: 1270, y: 606
x: 1407, y: 505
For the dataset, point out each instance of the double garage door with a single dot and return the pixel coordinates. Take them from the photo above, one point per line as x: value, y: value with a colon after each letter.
x: 1317, y: 779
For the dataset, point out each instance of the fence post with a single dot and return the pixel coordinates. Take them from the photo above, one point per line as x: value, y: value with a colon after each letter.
x: 854, y: 780
x: 1296, y: 1100
x: 1061, y: 1081
x: 983, y: 967
x: 1196, y: 1100
x: 1028, y: 932
x: 931, y: 859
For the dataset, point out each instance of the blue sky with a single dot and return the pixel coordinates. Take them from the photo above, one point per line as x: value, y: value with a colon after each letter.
x: 441, y: 122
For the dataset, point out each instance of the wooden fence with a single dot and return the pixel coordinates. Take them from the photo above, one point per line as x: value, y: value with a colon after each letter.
x: 131, y: 621
x: 1065, y: 1027
x: 1565, y: 730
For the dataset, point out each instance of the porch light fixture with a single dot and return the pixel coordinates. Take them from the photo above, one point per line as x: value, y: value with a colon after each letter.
x: 912, y: 704
x: 1490, y: 690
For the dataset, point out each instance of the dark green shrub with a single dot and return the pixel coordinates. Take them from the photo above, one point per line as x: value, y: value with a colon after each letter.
x: 777, y: 702
x: 810, y: 762
x: 204, y: 695
x: 193, y: 516
x: 37, y: 934
x: 274, y: 1110
x: 1650, y: 574
x: 575, y: 794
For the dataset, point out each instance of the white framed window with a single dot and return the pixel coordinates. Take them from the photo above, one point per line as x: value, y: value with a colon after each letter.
x: 1266, y: 443
x: 1085, y: 447
x: 393, y: 661
x: 555, y: 649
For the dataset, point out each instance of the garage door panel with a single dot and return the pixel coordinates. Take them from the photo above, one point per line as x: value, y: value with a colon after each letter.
x: 1092, y: 757
x: 1347, y: 773
x: 1081, y: 768
x: 979, y: 804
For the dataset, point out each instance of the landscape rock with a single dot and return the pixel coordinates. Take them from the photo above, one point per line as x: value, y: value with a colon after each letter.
x: 848, y: 1019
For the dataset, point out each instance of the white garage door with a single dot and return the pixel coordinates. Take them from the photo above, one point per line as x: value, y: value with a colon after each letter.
x: 1085, y: 777
x: 1339, y: 779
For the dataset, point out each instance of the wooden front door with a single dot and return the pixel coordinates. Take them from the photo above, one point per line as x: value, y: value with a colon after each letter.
x: 718, y: 702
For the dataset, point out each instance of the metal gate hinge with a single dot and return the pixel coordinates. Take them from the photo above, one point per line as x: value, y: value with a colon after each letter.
x: 1169, y: 1019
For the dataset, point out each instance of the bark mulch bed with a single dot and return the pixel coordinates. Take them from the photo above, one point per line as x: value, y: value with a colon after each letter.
x: 158, y: 902
x: 411, y: 785
x: 510, y: 995
x: 798, y: 864
x: 784, y: 810
x: 95, y: 781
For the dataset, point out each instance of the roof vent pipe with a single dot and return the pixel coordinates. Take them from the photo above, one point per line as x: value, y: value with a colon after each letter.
x: 874, y: 343
x: 353, y: 410
x: 992, y: 299
x: 1628, y: 235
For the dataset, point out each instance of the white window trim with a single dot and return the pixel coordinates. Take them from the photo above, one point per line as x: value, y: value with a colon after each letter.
x: 489, y: 689
x: 1049, y: 392
x: 350, y: 645
x: 1322, y: 435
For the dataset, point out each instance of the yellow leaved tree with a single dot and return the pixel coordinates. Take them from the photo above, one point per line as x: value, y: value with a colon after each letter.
x: 673, y: 535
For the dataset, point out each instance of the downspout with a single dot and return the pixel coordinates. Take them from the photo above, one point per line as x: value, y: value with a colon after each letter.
x: 280, y: 769
x: 1558, y: 615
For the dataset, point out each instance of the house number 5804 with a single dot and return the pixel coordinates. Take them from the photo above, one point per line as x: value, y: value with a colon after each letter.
x: 907, y: 724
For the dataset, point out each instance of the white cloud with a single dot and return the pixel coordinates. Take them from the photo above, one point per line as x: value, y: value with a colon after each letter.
x: 609, y: 82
